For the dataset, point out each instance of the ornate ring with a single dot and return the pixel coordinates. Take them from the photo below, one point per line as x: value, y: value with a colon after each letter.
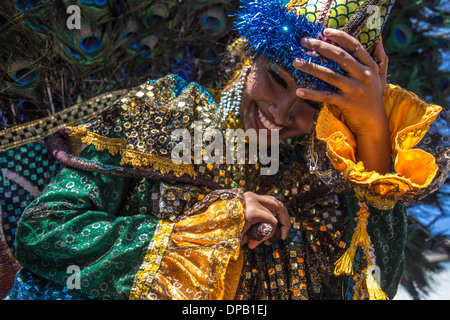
x: 354, y: 51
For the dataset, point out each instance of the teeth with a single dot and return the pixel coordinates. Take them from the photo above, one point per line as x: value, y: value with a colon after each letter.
x: 266, y: 122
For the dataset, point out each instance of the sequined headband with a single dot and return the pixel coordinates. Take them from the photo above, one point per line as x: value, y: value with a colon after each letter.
x: 274, y: 28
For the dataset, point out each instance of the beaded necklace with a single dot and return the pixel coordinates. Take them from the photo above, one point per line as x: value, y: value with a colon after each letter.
x: 230, y: 98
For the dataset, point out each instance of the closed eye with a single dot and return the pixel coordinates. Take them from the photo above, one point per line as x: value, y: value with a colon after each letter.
x: 277, y: 77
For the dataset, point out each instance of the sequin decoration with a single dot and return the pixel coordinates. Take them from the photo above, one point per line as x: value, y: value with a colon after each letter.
x: 29, y: 286
x: 26, y: 170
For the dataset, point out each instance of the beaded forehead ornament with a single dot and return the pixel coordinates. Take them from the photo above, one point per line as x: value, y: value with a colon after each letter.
x: 275, y: 27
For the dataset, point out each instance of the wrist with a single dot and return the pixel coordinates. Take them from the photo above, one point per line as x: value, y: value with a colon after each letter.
x: 374, y: 150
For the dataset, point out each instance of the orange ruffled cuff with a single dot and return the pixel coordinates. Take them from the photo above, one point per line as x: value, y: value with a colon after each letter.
x: 202, y: 257
x: 409, y: 120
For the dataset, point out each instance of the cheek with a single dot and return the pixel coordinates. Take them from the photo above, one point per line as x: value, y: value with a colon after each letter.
x: 258, y: 86
x: 250, y: 95
x: 304, y: 121
x: 246, y: 112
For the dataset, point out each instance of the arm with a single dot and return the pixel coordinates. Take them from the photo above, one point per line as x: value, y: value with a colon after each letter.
x: 77, y: 221
x: 108, y: 227
x: 360, y: 96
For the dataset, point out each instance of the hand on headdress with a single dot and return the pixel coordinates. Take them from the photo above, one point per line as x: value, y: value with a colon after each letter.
x: 359, y: 94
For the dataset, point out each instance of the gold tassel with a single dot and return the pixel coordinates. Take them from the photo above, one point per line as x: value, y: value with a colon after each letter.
x: 374, y: 290
x: 344, y: 265
x: 365, y: 285
x: 360, y: 238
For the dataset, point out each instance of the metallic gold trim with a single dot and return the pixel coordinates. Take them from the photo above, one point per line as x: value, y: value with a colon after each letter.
x: 150, y: 266
x: 113, y: 145
x: 142, y: 160
x: 137, y: 159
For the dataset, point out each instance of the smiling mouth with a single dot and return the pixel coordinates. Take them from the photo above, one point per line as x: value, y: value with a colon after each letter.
x: 263, y: 122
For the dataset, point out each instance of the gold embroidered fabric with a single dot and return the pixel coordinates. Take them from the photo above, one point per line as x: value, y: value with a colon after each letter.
x: 138, y: 126
x: 409, y: 120
x: 202, y: 259
x: 146, y: 273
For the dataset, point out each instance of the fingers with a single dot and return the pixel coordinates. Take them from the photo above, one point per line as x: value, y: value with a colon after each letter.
x: 282, y: 214
x: 260, y: 209
x: 332, y: 53
x: 342, y: 48
x: 351, y: 45
x: 320, y: 96
x: 382, y: 60
x: 256, y: 213
x: 323, y: 73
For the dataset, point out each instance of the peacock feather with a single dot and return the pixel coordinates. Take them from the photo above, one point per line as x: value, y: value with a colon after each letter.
x: 47, y: 66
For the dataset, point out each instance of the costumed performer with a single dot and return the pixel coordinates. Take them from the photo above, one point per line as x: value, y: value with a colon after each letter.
x: 139, y: 226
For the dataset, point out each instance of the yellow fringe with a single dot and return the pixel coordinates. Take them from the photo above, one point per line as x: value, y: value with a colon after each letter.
x: 360, y: 238
x: 374, y: 290
x: 137, y: 159
x: 113, y: 145
x: 344, y: 265
x: 143, y: 160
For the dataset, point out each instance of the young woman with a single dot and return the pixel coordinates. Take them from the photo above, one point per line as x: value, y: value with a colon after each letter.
x: 135, y: 225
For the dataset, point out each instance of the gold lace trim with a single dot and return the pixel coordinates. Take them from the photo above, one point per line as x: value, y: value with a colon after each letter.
x: 140, y: 159
x: 137, y: 159
x: 147, y: 271
x: 112, y: 145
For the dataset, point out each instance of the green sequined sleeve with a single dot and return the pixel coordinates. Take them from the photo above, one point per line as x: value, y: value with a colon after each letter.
x: 78, y: 221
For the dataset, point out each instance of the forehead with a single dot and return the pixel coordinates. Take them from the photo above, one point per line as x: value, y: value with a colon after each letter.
x: 262, y: 63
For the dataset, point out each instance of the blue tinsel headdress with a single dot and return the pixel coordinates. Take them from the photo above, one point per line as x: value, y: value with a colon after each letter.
x: 274, y: 31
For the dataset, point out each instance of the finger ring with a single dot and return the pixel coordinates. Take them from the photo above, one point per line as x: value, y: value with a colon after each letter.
x: 354, y: 51
x: 274, y: 213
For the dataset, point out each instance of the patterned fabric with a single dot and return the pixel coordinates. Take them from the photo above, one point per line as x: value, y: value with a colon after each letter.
x: 29, y: 286
x: 27, y: 167
x: 202, y: 260
x: 26, y: 164
x: 302, y: 267
x: 123, y: 232
x: 26, y: 170
x: 351, y: 16
x: 107, y: 225
x: 39, y: 129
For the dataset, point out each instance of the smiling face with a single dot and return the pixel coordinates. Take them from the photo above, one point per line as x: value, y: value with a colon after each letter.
x: 269, y: 102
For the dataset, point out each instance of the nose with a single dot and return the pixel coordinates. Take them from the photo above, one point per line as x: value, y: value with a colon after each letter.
x: 282, y: 109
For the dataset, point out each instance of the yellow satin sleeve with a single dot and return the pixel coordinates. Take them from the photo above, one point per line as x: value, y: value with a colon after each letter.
x: 409, y: 120
x: 202, y: 258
